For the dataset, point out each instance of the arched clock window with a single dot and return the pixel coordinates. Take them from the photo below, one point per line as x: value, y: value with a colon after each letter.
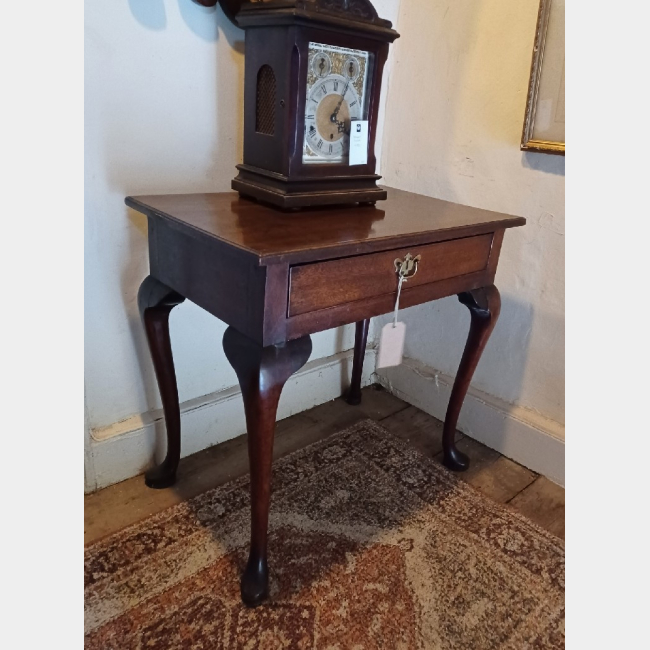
x: 265, y: 107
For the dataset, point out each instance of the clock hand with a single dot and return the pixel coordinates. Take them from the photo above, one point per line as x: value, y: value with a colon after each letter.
x: 338, y: 107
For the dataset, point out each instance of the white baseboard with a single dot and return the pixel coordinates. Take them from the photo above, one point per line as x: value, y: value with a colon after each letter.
x: 518, y: 433
x: 126, y: 449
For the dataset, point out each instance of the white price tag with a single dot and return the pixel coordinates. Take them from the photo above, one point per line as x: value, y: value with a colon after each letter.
x: 391, y: 342
x: 359, y: 142
x: 391, y: 345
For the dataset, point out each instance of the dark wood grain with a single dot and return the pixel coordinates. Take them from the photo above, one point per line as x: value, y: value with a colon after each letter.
x: 337, y: 12
x: 360, y: 342
x: 359, y: 11
x: 262, y: 373
x: 228, y: 284
x: 326, y: 284
x: 233, y: 257
x: 497, y: 242
x: 155, y: 301
x: 352, y: 312
x: 484, y: 306
x: 269, y: 236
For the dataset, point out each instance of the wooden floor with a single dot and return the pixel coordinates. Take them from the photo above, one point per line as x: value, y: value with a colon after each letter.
x: 497, y: 477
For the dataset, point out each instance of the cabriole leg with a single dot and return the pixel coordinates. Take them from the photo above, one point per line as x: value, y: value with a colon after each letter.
x: 155, y: 301
x: 484, y: 306
x: 262, y: 373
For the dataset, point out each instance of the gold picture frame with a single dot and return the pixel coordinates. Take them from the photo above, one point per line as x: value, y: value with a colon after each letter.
x: 544, y: 120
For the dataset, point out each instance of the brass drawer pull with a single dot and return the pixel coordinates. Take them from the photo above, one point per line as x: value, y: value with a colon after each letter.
x: 407, y: 267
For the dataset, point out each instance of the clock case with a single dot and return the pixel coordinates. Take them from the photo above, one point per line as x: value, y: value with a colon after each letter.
x: 278, y: 33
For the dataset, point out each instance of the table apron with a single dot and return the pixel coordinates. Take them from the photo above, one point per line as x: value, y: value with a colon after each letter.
x: 324, y: 319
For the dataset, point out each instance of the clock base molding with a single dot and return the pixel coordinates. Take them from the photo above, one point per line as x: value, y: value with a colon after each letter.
x: 280, y: 191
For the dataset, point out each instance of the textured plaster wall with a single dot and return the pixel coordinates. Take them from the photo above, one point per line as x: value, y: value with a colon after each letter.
x: 164, y: 106
x: 454, y: 116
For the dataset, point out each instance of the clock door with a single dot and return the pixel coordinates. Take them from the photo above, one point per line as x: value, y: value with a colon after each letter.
x: 337, y: 92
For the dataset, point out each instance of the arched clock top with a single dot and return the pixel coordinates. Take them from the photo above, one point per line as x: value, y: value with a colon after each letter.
x: 362, y: 9
x: 351, y: 10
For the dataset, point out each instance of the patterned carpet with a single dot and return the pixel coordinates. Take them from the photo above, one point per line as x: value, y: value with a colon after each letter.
x: 372, y: 545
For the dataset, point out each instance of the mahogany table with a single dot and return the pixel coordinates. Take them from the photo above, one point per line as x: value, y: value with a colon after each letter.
x: 277, y: 277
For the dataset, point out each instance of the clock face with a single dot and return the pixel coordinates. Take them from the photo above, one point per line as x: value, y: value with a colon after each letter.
x: 336, y: 96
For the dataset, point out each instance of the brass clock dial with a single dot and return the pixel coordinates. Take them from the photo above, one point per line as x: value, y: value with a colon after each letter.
x: 336, y: 94
x: 333, y: 103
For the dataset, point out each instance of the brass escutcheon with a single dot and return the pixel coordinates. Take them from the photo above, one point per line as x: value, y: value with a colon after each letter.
x: 407, y: 267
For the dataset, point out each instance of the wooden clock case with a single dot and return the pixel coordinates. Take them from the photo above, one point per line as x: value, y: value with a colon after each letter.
x: 278, y: 33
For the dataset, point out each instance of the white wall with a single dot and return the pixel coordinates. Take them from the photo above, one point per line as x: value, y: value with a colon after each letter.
x: 164, y: 84
x: 163, y: 114
x: 453, y: 125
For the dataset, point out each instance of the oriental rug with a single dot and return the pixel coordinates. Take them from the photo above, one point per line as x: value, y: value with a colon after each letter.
x: 372, y: 545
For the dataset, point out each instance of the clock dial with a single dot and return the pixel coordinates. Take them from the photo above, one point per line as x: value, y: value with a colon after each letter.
x: 331, y: 106
x: 321, y: 64
x: 351, y: 68
x: 336, y: 94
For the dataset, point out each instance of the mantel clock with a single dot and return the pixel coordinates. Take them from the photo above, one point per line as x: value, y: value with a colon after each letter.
x: 313, y: 72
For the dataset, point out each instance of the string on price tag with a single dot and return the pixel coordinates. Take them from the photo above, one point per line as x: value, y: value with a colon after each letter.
x: 393, y: 335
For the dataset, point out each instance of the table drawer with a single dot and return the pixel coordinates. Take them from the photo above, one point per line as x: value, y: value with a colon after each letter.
x: 336, y: 282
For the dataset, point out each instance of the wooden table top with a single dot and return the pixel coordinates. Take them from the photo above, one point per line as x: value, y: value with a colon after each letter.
x: 273, y: 236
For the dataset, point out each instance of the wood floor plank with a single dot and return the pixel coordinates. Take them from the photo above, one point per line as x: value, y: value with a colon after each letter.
x: 497, y: 477
x: 543, y: 502
x: 126, y: 503
x: 501, y: 480
x: 335, y: 415
x: 130, y: 501
x: 493, y: 475
x: 297, y: 433
x: 417, y: 428
x: 376, y: 404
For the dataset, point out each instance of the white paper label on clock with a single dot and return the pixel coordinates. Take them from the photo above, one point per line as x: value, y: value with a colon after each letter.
x: 359, y: 142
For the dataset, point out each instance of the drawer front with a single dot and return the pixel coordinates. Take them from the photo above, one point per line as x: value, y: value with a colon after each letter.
x: 337, y: 282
